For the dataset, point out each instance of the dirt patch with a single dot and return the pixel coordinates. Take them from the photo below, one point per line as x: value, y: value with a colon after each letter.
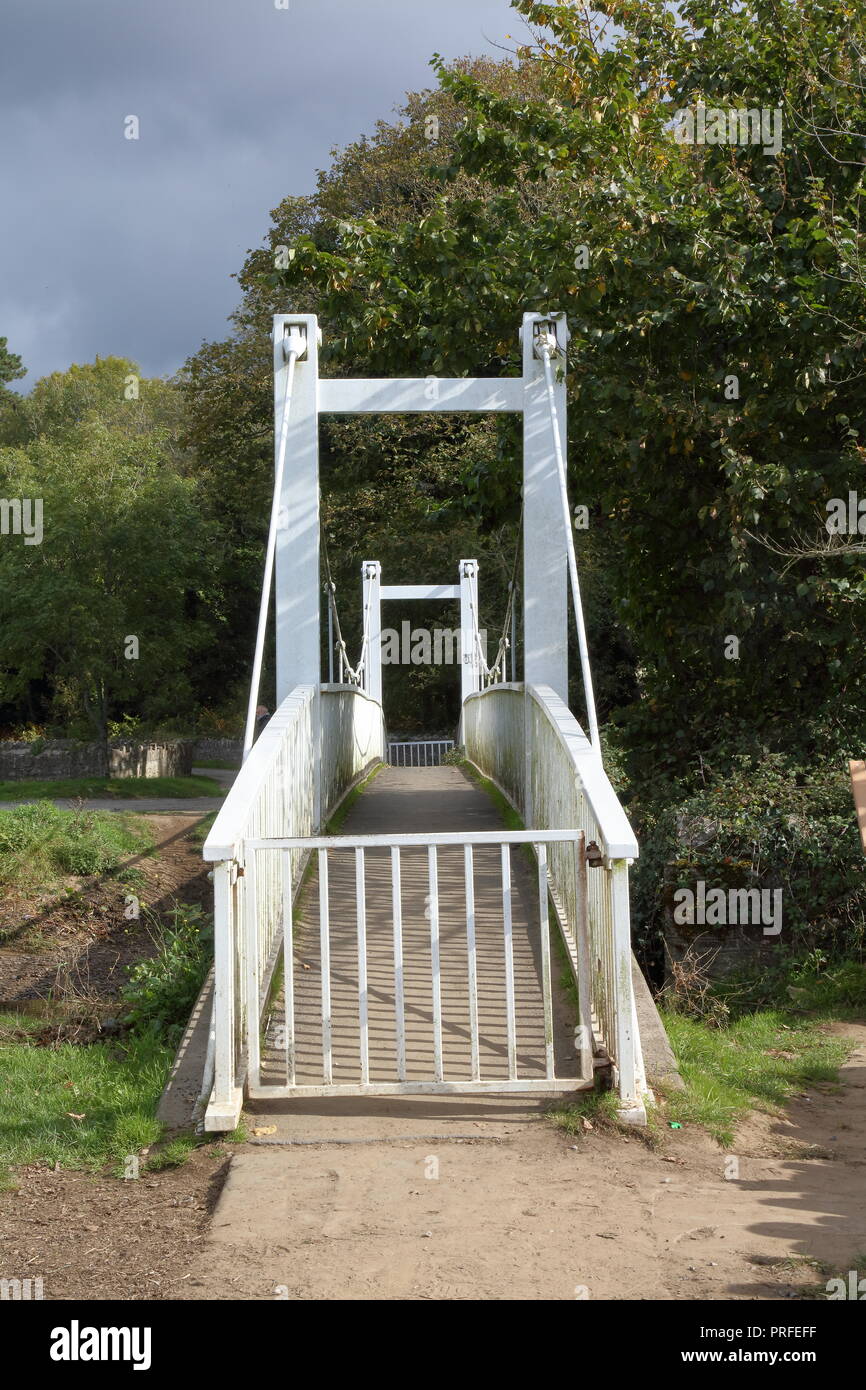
x: 102, y: 1237
x: 76, y: 945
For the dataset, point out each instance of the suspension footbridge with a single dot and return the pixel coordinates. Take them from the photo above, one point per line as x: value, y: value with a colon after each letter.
x: 424, y: 948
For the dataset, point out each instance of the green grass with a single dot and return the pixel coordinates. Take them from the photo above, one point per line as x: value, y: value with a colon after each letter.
x: 729, y: 1071
x: 41, y: 845
x: 172, y: 1154
x: 202, y: 828
x: 599, y: 1107
x: 114, y: 1089
x: 337, y: 819
x: 510, y: 819
x: 814, y: 984
x: 120, y: 788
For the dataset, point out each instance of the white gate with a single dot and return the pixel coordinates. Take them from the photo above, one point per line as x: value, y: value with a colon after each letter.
x: 413, y: 964
x: 419, y: 752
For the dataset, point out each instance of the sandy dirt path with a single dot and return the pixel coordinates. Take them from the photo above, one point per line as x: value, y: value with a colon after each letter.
x: 502, y: 1205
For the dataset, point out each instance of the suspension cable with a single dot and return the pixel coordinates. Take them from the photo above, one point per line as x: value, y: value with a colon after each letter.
x: 354, y: 674
x: 490, y: 672
x: 546, y: 350
x: 294, y: 348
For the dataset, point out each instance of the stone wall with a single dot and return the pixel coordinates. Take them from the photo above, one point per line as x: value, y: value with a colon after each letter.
x: 223, y: 750
x: 49, y: 760
x: 170, y: 759
x: 724, y: 949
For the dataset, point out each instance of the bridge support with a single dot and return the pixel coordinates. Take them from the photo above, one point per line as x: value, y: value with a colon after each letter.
x: 545, y: 605
x: 545, y: 564
x: 297, y: 550
x: 470, y: 672
x: 371, y: 578
x: 467, y: 592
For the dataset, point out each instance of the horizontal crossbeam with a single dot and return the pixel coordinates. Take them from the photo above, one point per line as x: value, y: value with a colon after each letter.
x: 407, y: 394
x: 419, y: 591
x: 413, y: 1088
x: 441, y: 837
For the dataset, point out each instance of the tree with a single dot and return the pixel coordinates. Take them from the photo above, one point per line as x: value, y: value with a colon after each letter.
x: 99, y: 604
x: 10, y: 364
x: 716, y: 378
x: 406, y: 492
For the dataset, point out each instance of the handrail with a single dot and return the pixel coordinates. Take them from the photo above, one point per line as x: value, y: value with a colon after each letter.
x: 230, y: 826
x: 619, y: 838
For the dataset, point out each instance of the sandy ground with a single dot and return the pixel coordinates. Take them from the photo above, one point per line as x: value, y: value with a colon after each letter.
x: 505, y: 1207
x: 444, y: 1198
x: 498, y: 1204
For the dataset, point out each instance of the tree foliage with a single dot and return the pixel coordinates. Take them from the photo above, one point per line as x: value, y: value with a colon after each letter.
x: 122, y: 555
x: 706, y: 263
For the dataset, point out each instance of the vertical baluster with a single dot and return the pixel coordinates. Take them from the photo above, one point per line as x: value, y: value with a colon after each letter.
x: 253, y: 1009
x: 583, y: 946
x: 325, y: 951
x: 361, y: 906
x: 433, y: 882
x: 399, y: 1003
x: 469, y: 871
x: 541, y: 851
x: 285, y: 860
x: 509, y: 962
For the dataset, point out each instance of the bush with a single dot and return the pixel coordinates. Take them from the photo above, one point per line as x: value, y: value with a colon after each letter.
x: 40, y: 842
x: 162, y: 990
x: 25, y: 825
x: 766, y: 824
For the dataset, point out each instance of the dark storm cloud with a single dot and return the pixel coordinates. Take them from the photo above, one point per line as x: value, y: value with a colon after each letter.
x: 120, y: 246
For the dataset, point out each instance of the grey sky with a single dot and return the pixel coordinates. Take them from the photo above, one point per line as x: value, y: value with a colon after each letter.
x: 109, y: 245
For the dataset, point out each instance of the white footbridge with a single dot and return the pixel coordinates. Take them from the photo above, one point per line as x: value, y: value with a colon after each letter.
x: 415, y: 962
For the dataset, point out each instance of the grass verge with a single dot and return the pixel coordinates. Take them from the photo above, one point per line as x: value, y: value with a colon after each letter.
x: 115, y: 788
x: 755, y: 1063
x: 41, y: 845
x: 81, y: 1107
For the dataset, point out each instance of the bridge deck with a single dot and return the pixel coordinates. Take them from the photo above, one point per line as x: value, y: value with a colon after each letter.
x: 419, y: 800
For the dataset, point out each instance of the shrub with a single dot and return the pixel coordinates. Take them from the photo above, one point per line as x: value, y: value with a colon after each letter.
x: 768, y: 823
x: 162, y: 990
x: 23, y: 826
x: 40, y: 843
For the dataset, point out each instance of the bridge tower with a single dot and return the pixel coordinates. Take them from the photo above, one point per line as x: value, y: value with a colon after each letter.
x: 545, y: 560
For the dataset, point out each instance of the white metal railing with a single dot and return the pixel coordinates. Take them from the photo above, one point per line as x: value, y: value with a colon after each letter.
x: 528, y: 742
x: 456, y: 901
x: 419, y: 752
x: 311, y: 751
